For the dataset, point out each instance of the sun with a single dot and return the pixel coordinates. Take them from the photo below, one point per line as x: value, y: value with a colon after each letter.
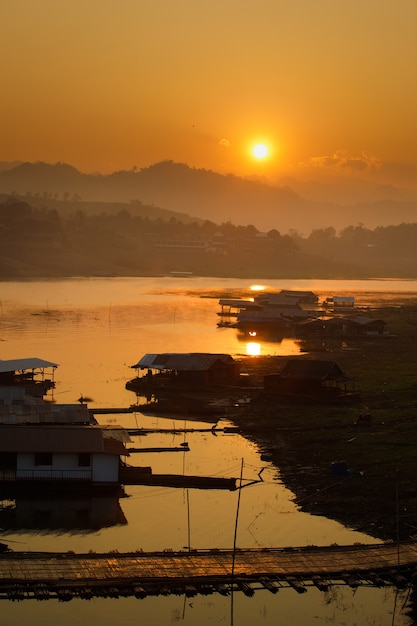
x: 260, y: 151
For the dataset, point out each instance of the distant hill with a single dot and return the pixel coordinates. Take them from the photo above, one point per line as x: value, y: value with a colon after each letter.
x: 203, y: 194
x: 8, y: 165
x: 73, y: 204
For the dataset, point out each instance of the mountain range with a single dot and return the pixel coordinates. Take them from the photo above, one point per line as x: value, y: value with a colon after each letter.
x: 207, y: 195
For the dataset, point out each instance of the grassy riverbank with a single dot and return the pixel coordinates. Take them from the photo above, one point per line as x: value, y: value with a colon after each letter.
x: 379, y: 492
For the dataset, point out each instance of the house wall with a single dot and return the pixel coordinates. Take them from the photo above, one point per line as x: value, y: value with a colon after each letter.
x: 104, y: 468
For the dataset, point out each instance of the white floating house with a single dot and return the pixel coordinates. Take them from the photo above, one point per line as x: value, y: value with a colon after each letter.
x: 61, y: 454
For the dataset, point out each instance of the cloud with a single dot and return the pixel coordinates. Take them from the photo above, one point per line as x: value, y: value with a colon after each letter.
x: 341, y: 160
x: 225, y: 143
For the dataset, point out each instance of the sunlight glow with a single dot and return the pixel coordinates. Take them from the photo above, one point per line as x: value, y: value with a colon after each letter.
x: 257, y: 287
x: 253, y: 349
x: 260, y: 151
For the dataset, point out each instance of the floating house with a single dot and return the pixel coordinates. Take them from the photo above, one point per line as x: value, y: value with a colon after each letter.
x: 35, y: 376
x: 275, y: 316
x: 340, y: 302
x: 61, y: 454
x: 290, y: 295
x: 267, y: 310
x: 351, y: 326
x: 308, y: 377
x: 51, y: 444
x: 230, y: 309
x: 194, y: 369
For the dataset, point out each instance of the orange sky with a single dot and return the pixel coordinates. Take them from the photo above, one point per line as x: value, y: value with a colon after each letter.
x: 328, y: 85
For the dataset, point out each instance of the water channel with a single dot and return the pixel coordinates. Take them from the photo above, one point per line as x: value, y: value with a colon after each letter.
x: 95, y: 329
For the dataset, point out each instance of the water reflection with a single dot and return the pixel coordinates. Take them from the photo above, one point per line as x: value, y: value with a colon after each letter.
x: 57, y: 512
x: 253, y: 348
x: 268, y: 342
x: 95, y: 329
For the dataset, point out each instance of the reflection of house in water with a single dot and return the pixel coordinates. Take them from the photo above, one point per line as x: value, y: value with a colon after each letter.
x: 67, y: 512
x: 270, y: 334
x: 188, y: 370
x: 309, y: 378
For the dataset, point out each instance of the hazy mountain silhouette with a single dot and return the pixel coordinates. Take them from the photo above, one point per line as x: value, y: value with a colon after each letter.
x: 208, y: 195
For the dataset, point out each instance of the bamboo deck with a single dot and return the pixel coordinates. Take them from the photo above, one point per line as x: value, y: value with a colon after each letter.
x: 66, y: 575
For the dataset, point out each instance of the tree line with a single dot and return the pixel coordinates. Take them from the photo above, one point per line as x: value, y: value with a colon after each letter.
x: 122, y: 243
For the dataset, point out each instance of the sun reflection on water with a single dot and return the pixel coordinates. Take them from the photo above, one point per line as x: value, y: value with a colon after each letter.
x: 257, y: 287
x: 253, y: 348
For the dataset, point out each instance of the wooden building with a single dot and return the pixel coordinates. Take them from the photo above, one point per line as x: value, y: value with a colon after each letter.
x: 195, y: 369
x: 308, y: 377
x: 61, y: 454
x: 350, y: 326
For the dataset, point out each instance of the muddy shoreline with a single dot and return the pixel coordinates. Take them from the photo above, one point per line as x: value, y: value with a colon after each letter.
x: 359, y: 472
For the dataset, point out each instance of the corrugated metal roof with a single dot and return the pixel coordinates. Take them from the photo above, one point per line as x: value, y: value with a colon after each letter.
x: 14, y: 365
x: 277, y: 299
x: 242, y: 304
x: 309, y: 369
x: 36, y: 412
x: 47, y: 438
x: 299, y: 293
x: 145, y: 361
x: 197, y: 361
x: 115, y: 432
x: 365, y: 321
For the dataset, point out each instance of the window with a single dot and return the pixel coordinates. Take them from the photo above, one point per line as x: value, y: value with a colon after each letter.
x: 43, y: 458
x: 84, y: 459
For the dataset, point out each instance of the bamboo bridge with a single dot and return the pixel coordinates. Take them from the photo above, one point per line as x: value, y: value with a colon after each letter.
x: 63, y: 576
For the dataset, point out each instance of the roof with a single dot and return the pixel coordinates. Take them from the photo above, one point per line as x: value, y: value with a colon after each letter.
x: 193, y: 361
x: 242, y: 304
x: 345, y: 299
x: 14, y: 410
x: 365, y: 321
x: 13, y: 365
x: 277, y: 299
x: 57, y: 439
x: 331, y: 321
x: 309, y: 369
x: 299, y: 294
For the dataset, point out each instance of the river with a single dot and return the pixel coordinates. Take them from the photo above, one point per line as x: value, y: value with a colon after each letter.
x: 96, y: 329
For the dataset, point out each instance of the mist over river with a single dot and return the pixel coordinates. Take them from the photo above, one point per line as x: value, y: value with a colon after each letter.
x: 96, y: 329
